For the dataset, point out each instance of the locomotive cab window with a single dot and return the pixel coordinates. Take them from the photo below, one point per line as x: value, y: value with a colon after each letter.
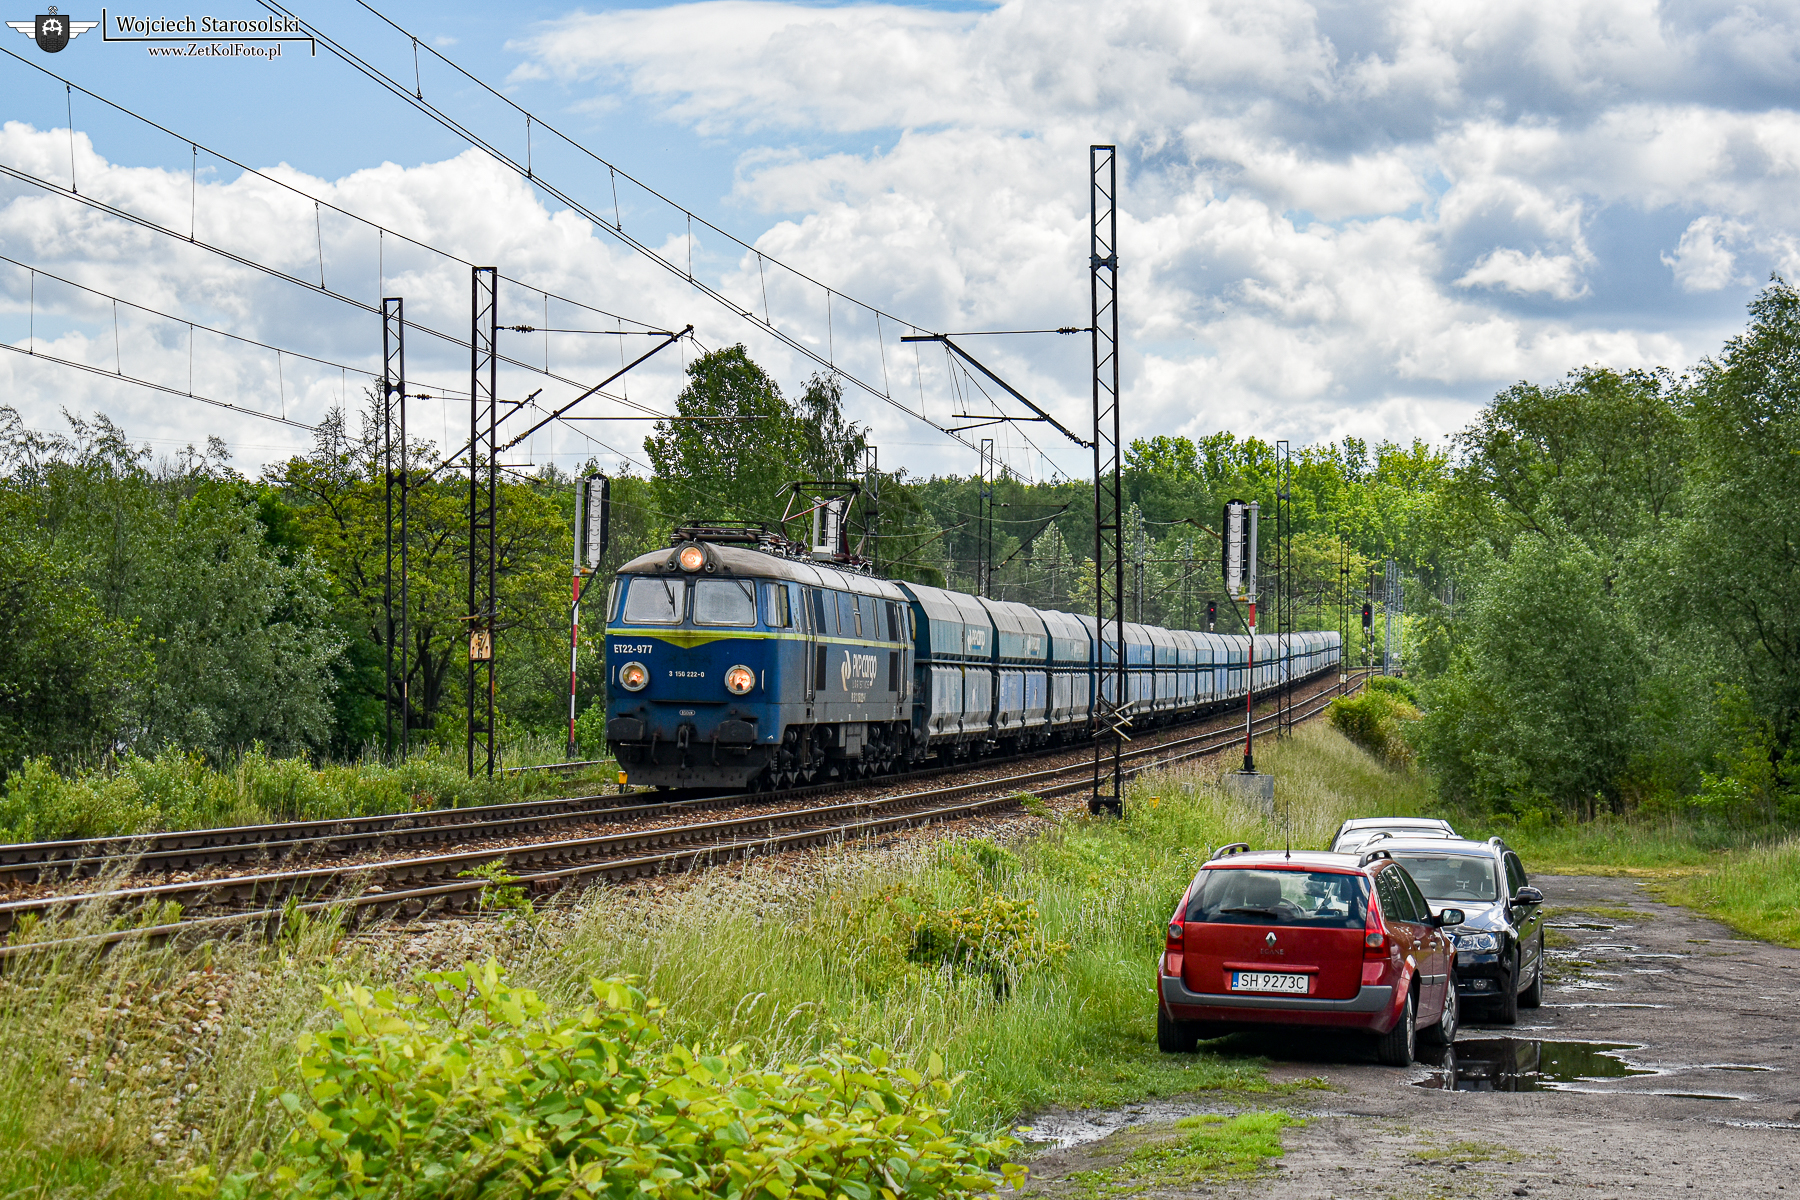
x: 777, y: 615
x: 822, y: 613
x: 847, y: 624
x: 724, y: 602
x: 653, y: 600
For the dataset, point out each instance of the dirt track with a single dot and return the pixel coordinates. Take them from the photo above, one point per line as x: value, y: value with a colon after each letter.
x: 1713, y: 1020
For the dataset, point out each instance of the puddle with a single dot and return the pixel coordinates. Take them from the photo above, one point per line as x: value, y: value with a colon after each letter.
x: 1061, y: 1130
x: 1601, y: 1004
x: 1528, y: 1065
x: 1733, y: 1067
x: 1595, y: 925
x: 1762, y: 1124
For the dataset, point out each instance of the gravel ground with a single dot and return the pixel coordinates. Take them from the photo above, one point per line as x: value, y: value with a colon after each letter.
x: 1706, y: 1016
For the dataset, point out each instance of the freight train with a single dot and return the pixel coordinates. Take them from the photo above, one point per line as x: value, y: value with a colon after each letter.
x: 730, y: 666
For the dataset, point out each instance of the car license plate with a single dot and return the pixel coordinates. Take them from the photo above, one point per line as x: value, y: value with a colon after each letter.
x: 1268, y: 981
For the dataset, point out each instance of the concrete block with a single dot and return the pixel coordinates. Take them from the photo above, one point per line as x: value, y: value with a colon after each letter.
x: 1252, y: 787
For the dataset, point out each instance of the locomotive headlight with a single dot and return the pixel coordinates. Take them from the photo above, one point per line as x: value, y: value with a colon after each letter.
x: 691, y: 558
x: 739, y: 680
x: 633, y: 676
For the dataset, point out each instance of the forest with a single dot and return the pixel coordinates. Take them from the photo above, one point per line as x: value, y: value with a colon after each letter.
x: 1601, y: 611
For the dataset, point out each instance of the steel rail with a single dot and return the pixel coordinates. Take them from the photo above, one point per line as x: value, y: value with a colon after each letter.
x: 188, y: 849
x: 571, y: 863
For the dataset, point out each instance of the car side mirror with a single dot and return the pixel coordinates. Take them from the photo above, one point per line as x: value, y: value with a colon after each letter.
x: 1528, y: 895
x: 1450, y: 916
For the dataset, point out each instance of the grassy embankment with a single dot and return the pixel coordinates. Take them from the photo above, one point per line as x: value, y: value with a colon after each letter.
x: 1747, y: 877
x: 1026, y: 969
x: 182, y: 791
x: 1744, y: 874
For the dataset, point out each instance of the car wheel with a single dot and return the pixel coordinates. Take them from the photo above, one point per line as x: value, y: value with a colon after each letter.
x: 1533, y: 996
x: 1444, y: 1032
x: 1175, y: 1037
x: 1508, y: 1010
x: 1395, y: 1047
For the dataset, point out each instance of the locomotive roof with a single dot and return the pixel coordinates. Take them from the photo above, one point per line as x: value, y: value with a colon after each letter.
x: 732, y: 561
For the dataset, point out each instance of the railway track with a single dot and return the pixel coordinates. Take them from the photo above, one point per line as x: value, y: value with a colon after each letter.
x: 407, y: 888
x: 290, y: 842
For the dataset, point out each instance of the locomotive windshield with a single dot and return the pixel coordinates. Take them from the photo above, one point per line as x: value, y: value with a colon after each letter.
x: 650, y: 600
x: 724, y: 602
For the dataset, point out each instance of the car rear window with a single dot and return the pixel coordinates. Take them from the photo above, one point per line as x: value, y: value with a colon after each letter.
x: 1451, y: 876
x: 1246, y: 896
x: 650, y: 600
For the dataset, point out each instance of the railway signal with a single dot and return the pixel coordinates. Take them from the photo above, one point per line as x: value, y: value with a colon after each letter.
x: 1212, y: 614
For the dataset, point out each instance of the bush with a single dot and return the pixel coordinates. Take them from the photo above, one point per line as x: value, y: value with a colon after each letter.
x: 1395, y: 686
x: 1378, y: 722
x: 478, y: 1090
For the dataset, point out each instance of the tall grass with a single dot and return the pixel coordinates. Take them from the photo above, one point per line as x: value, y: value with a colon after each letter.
x: 785, y: 963
x: 124, y: 1069
x: 173, y: 790
x: 1755, y: 891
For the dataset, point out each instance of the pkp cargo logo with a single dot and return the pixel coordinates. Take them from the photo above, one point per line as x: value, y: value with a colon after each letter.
x: 857, y: 671
x: 52, y: 30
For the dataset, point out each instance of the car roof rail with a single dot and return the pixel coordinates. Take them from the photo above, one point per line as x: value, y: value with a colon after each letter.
x: 1499, y: 841
x: 1233, y: 848
x: 1373, y: 856
x: 1377, y: 836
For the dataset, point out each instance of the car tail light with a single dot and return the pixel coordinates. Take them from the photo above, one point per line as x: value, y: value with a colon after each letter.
x: 1175, y: 930
x: 739, y: 680
x: 1375, y: 940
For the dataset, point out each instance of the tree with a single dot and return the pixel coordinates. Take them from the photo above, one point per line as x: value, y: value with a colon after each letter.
x: 339, y: 507
x: 1732, y: 578
x: 72, y: 678
x: 1537, y: 708
x: 240, y: 636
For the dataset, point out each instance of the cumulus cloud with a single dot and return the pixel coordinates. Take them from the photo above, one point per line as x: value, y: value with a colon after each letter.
x: 1361, y: 217
x: 1704, y: 261
x: 1555, y: 275
x: 1337, y: 218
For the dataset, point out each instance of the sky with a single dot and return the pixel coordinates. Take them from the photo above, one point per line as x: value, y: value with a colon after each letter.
x: 1335, y: 218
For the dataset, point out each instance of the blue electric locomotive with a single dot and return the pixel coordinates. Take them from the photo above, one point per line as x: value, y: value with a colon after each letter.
x: 731, y: 667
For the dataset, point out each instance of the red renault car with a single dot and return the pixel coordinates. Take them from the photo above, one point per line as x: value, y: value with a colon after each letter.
x: 1342, y: 941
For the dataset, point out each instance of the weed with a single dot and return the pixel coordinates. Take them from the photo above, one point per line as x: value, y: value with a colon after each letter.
x: 503, y: 893
x: 1215, y: 1148
x: 1467, y: 1152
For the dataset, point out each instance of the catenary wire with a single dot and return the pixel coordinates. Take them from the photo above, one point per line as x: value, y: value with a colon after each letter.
x: 416, y: 101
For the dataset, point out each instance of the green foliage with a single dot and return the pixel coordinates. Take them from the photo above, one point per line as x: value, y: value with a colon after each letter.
x: 172, y: 790
x: 1379, y: 720
x: 74, y: 677
x: 216, y: 635
x: 1215, y: 1148
x: 503, y: 893
x: 336, y: 505
x: 739, y: 469
x: 997, y: 935
x: 1395, y: 686
x: 479, y: 1089
x: 1536, y: 709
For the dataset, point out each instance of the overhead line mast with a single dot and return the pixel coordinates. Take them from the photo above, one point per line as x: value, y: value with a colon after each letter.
x: 484, y: 493
x: 1110, y: 711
